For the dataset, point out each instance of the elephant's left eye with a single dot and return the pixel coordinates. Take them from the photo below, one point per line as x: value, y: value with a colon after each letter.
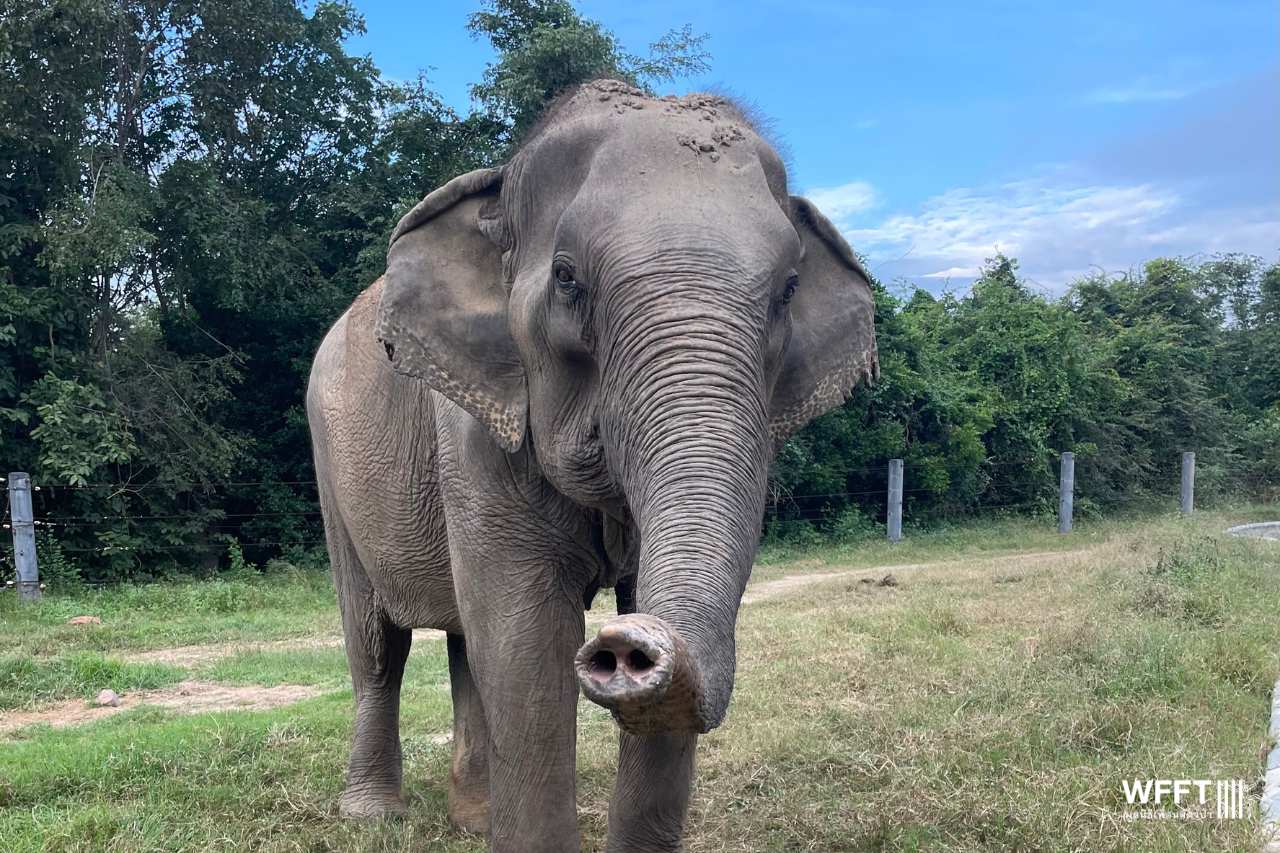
x: 792, y: 283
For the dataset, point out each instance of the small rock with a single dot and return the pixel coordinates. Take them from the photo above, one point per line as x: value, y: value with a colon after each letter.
x: 84, y: 620
x: 888, y: 580
x: 109, y: 699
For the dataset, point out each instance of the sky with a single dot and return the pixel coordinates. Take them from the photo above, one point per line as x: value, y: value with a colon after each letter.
x: 1075, y: 136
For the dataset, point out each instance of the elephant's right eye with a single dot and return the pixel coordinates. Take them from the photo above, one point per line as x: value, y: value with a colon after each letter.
x: 793, y: 281
x: 564, y: 275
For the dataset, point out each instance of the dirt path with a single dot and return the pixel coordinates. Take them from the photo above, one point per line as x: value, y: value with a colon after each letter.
x: 202, y: 653
x: 1261, y: 530
x: 789, y: 583
x: 194, y: 697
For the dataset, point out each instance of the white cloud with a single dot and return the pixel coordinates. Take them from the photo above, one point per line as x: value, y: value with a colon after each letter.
x: 842, y: 203
x: 954, y: 272
x: 962, y: 227
x: 1056, y: 227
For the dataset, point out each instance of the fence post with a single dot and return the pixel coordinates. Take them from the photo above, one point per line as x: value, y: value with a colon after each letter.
x: 895, y: 500
x: 24, y: 536
x: 1066, y: 491
x: 1188, y: 482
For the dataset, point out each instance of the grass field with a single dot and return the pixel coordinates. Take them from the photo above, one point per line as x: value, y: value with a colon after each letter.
x: 992, y: 698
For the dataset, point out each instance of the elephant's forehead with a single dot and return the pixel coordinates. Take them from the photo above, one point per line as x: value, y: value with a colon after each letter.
x: 638, y: 125
x: 658, y: 131
x: 678, y: 163
x: 680, y: 138
x: 611, y: 98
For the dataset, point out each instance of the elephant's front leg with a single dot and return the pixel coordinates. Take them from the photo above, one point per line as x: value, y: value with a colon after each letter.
x: 469, y: 770
x: 520, y: 647
x: 522, y: 557
x: 651, y: 796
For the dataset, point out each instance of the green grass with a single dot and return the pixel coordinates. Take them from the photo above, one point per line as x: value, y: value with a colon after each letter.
x: 940, y: 542
x: 166, y: 614
x: 972, y: 538
x: 428, y: 667
x: 26, y: 681
x: 983, y: 703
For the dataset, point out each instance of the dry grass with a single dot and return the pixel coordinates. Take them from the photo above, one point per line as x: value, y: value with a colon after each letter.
x: 993, y: 702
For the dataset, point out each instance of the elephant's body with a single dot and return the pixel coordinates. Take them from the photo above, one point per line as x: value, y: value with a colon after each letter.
x: 383, y: 445
x: 573, y: 375
x: 376, y: 452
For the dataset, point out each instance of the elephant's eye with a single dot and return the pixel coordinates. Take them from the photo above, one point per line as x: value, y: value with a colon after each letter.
x: 792, y: 283
x: 564, y: 276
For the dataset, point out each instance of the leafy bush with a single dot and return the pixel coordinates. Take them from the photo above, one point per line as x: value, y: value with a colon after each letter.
x: 979, y: 394
x: 239, y: 568
x: 58, y: 572
x: 853, y: 525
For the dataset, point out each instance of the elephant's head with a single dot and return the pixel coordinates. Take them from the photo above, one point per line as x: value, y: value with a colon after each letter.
x: 637, y: 295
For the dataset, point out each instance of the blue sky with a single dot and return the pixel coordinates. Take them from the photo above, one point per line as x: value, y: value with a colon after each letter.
x: 1074, y: 135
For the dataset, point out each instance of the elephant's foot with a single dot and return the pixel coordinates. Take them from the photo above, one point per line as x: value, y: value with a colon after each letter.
x: 469, y: 811
x: 367, y: 804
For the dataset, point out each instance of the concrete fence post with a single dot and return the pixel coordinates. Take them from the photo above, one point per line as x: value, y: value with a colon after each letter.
x: 895, y: 500
x: 1066, y: 491
x: 1188, y: 482
x: 24, y: 536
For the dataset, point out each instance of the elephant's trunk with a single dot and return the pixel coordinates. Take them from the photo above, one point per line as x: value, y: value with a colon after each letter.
x: 692, y: 454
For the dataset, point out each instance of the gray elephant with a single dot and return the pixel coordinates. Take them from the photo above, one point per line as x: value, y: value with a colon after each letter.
x: 573, y: 375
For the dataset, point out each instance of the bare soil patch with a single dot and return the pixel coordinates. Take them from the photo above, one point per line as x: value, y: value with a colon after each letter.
x: 188, y: 697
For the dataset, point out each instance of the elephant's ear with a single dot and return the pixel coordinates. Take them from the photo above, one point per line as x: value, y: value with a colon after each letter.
x: 443, y: 315
x: 833, y: 338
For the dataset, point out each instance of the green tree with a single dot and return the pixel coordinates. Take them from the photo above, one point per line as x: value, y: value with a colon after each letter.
x: 169, y: 241
x: 545, y: 47
x: 192, y: 192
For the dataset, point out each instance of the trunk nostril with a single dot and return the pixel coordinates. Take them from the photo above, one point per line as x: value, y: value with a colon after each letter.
x: 602, y: 666
x: 638, y: 661
x: 639, y: 668
x: 391, y: 350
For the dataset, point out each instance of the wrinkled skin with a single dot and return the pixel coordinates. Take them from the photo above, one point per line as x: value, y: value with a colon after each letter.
x: 573, y: 376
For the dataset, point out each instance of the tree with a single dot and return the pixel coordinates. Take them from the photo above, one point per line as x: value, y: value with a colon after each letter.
x: 192, y: 192
x: 164, y: 243
x: 545, y: 47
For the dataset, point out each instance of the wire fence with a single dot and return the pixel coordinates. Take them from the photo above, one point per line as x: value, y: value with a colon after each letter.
x: 207, y: 531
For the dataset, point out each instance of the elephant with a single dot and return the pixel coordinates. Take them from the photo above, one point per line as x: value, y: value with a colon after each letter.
x: 573, y: 375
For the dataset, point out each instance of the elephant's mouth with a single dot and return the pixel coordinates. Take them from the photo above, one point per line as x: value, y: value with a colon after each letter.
x: 576, y: 463
x: 639, y: 668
